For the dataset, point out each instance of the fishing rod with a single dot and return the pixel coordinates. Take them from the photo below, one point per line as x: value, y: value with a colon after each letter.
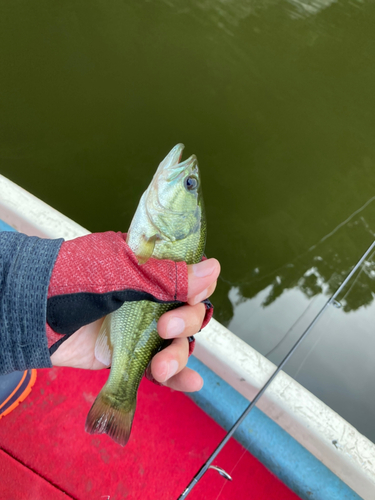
x: 207, y: 465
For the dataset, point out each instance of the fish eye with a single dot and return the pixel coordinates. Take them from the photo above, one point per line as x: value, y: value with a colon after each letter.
x: 191, y: 183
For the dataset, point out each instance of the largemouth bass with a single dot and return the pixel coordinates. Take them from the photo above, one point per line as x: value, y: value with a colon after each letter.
x: 169, y: 223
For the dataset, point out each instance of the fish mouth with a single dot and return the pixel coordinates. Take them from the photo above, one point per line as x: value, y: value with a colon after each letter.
x: 170, y: 173
x: 172, y: 167
x: 173, y: 157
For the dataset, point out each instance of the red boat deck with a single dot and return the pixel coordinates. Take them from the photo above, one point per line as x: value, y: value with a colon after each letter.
x: 46, y: 453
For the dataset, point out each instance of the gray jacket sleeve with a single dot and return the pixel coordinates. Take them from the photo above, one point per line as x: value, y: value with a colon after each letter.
x: 26, y: 264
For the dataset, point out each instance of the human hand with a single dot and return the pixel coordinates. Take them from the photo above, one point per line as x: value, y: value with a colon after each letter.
x: 168, y: 367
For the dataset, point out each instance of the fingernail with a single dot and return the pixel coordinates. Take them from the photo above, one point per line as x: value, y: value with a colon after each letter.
x: 201, y: 296
x: 172, y: 368
x: 204, y: 268
x: 175, y: 327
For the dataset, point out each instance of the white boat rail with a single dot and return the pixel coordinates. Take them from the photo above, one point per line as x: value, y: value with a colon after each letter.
x: 330, y: 438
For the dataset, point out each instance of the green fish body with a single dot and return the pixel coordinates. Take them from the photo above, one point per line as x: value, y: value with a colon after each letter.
x: 169, y: 224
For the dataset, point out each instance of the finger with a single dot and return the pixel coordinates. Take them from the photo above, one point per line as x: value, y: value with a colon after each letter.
x: 181, y: 322
x: 170, y: 361
x: 202, y: 277
x: 187, y: 380
x: 203, y: 295
x: 207, y: 292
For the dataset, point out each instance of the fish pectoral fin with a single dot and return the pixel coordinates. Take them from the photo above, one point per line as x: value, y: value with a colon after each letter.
x: 103, y: 346
x: 146, y: 248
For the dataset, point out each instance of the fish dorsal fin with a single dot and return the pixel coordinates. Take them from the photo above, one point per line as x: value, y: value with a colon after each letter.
x: 145, y: 248
x: 103, y: 346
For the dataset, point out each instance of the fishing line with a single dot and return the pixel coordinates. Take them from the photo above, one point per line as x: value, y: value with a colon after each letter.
x: 312, y: 302
x: 312, y: 348
x: 231, y: 472
x: 330, y: 301
x: 342, y: 223
x: 298, y: 257
x: 321, y: 333
x: 356, y: 279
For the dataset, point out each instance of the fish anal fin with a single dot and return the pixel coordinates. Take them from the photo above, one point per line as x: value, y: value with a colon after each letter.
x: 103, y: 346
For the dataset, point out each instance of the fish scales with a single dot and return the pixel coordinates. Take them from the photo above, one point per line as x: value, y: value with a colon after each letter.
x: 133, y: 331
x: 169, y: 224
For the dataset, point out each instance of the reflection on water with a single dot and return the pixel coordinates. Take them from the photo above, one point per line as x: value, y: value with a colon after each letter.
x: 336, y: 360
x: 323, y: 275
x: 275, y: 98
x: 266, y: 328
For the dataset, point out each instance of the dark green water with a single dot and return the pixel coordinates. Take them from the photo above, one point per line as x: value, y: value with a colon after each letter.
x: 276, y: 99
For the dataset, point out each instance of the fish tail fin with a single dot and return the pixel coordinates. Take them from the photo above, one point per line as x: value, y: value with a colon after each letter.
x: 116, y: 422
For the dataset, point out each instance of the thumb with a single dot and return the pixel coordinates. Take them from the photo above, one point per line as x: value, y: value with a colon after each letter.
x: 202, y: 280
